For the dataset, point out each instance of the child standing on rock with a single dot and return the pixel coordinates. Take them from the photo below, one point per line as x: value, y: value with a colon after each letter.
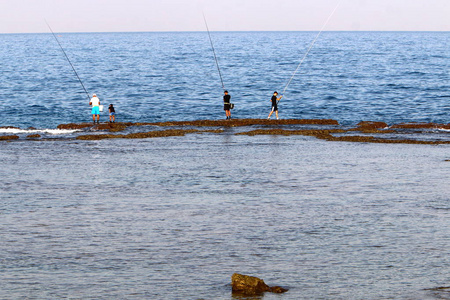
x: 112, y: 114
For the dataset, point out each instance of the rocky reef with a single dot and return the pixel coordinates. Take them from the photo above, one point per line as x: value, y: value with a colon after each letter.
x: 9, y: 137
x: 252, y: 286
x: 324, y: 129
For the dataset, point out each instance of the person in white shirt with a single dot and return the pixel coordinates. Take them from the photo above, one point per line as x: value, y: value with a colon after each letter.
x: 95, y: 102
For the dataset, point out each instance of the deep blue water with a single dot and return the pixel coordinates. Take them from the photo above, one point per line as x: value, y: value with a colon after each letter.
x: 348, y: 76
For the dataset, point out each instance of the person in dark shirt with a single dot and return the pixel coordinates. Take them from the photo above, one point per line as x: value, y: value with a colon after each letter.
x: 227, y: 104
x: 112, y: 114
x: 274, y: 100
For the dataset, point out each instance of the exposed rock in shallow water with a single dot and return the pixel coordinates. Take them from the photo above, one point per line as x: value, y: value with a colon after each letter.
x: 33, y: 136
x: 252, y: 286
x: 139, y: 135
x: 308, y: 132
x: 330, y: 132
x: 420, y: 126
x: 102, y: 126
x: 246, y: 122
x: 372, y: 127
x: 8, y: 137
x: 202, y: 123
x: 371, y: 139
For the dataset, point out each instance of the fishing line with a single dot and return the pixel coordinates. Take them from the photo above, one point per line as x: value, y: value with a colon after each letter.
x: 310, y: 47
x: 214, y: 51
x: 73, y: 68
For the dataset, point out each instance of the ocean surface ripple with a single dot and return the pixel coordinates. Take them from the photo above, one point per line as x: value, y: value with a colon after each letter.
x: 175, y: 217
x: 349, y: 76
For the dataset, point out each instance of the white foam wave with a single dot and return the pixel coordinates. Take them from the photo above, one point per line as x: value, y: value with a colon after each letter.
x: 31, y: 131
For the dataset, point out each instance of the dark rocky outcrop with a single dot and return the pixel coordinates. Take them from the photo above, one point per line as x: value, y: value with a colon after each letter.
x: 245, y: 122
x: 139, y: 135
x: 372, y: 127
x: 364, y: 132
x: 114, y: 127
x: 201, y: 123
x: 371, y: 139
x: 420, y: 126
x: 252, y: 286
x: 8, y: 137
x: 33, y: 136
x: 307, y: 132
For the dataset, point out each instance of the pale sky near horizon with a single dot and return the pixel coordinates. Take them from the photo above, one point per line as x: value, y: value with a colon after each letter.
x: 27, y: 16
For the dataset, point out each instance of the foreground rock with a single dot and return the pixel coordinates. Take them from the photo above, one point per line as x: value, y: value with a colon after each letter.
x: 252, y: 286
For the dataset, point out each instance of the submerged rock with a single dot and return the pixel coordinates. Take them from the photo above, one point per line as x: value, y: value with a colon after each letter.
x: 420, y: 126
x: 307, y: 132
x: 33, y: 136
x: 372, y: 125
x: 252, y: 286
x: 138, y: 135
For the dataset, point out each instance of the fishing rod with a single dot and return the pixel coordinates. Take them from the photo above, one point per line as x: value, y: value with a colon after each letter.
x: 73, y: 68
x: 214, y: 51
x: 309, y: 49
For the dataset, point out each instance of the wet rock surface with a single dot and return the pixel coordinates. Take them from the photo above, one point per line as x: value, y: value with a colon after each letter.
x: 201, y: 123
x: 325, y: 129
x: 139, y: 135
x: 113, y: 127
x: 9, y: 137
x: 420, y: 126
x: 372, y: 127
x: 252, y: 286
x: 307, y: 132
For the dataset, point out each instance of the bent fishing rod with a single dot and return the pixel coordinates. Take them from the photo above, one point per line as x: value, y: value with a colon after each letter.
x: 73, y: 68
x: 214, y: 52
x: 309, y: 49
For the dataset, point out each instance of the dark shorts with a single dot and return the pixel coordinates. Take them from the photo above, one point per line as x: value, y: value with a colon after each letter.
x: 274, y: 107
x: 227, y: 106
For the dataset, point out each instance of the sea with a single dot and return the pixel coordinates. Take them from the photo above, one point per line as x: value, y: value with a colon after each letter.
x: 175, y: 217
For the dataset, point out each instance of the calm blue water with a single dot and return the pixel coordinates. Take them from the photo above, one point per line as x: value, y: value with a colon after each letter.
x: 174, y: 218
x: 349, y: 76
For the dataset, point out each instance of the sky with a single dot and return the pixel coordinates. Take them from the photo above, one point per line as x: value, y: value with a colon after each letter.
x: 28, y: 16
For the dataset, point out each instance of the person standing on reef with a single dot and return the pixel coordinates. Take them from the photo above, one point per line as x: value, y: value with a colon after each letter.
x: 274, y: 100
x: 95, y: 102
x: 227, y: 104
x: 112, y: 114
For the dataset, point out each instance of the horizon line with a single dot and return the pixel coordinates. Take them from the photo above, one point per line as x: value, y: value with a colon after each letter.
x: 198, y: 31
